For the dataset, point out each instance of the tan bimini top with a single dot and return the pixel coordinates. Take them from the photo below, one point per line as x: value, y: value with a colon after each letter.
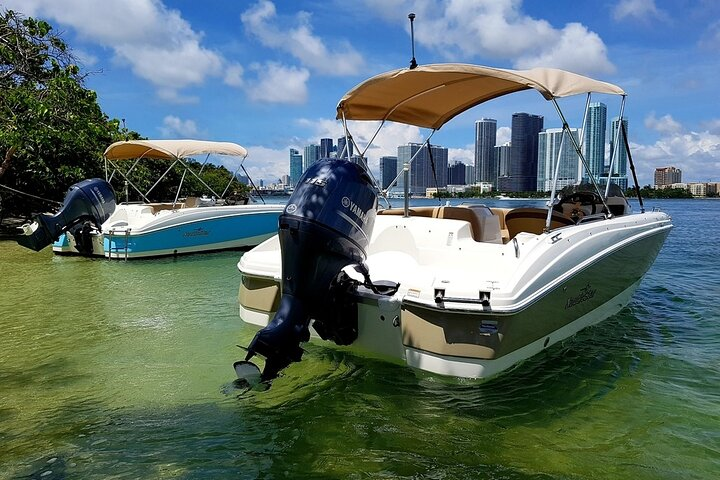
x: 171, y: 149
x: 430, y: 95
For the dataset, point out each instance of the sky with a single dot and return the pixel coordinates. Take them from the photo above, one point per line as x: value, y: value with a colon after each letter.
x: 269, y: 74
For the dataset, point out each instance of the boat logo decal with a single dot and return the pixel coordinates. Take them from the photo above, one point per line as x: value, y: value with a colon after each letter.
x: 350, y: 205
x: 317, y: 181
x: 586, y: 293
x: 292, y: 208
x: 198, y: 232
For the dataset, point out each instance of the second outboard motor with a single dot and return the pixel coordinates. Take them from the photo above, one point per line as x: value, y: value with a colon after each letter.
x: 91, y: 200
x: 326, y: 226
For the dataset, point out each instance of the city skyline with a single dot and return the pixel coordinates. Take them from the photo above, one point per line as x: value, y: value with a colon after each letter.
x: 537, y: 158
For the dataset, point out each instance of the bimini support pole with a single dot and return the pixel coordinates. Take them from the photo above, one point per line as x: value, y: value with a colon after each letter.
x: 632, y: 167
x: 349, y: 137
x: 551, y: 202
x: 614, y: 151
x: 578, y: 150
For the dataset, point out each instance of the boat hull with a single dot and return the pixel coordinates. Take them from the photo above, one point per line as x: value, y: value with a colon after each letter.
x: 575, y: 289
x: 179, y: 232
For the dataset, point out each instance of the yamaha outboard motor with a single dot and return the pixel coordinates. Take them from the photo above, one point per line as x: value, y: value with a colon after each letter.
x: 90, y: 202
x: 326, y: 226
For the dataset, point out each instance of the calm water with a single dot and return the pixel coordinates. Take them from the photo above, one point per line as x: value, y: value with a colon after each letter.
x: 123, y: 370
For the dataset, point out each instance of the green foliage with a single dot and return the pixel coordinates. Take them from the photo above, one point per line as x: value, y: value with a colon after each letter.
x: 648, y: 192
x: 53, y: 132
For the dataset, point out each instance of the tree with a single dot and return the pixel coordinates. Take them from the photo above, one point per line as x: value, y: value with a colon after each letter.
x: 52, y: 130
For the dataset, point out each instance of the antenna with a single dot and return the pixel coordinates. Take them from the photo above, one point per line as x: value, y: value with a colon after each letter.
x: 413, y: 63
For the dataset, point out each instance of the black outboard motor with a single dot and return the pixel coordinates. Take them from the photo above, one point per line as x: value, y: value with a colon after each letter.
x: 326, y: 226
x: 91, y: 201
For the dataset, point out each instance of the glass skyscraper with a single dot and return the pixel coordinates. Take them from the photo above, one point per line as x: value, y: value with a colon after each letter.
x: 312, y: 155
x: 421, y: 172
x: 456, y: 174
x: 388, y: 170
x: 326, y: 147
x: 296, y: 166
x: 522, y: 168
x: 594, y: 139
x: 486, y: 168
x: 569, y: 171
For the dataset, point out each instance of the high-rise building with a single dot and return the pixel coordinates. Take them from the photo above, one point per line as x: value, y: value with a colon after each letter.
x: 388, y: 170
x: 312, y: 155
x: 421, y: 169
x: 486, y: 169
x: 667, y: 176
x: 296, y: 166
x: 522, y: 168
x: 326, y: 148
x: 594, y: 139
x: 469, y: 174
x: 456, y: 174
x: 570, y: 168
x: 502, y: 157
x: 341, y: 148
x: 620, y: 161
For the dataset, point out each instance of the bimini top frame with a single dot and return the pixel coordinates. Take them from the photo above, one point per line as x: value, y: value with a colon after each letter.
x: 428, y: 96
x: 174, y: 151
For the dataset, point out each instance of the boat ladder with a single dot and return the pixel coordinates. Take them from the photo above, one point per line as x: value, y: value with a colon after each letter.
x: 117, y: 249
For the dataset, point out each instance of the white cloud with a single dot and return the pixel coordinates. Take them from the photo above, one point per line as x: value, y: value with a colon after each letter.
x: 464, y: 155
x: 276, y: 83
x: 265, y: 163
x: 665, y: 125
x: 175, y: 127
x: 711, y: 37
x: 154, y: 41
x: 503, y: 135
x: 638, y: 9
x: 234, y: 75
x: 576, y: 49
x: 297, y: 39
x: 499, y: 29
x: 712, y: 126
x: 697, y: 154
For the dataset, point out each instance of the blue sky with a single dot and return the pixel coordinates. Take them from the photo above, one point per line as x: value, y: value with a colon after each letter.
x: 268, y: 74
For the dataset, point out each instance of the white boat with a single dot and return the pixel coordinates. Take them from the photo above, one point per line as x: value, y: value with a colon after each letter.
x: 464, y: 291
x: 93, y: 224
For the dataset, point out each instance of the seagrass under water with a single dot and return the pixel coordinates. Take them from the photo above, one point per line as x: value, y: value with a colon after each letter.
x: 124, y: 370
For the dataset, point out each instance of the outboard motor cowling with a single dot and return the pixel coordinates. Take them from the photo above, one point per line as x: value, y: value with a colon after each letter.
x: 91, y: 200
x: 326, y: 226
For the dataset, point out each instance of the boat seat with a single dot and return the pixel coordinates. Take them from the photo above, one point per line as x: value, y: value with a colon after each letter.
x: 157, y: 207
x: 532, y: 220
x: 414, y: 211
x: 191, y: 202
x: 484, y: 225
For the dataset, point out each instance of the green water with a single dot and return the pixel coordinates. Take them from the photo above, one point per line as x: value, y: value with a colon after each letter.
x: 113, y: 369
